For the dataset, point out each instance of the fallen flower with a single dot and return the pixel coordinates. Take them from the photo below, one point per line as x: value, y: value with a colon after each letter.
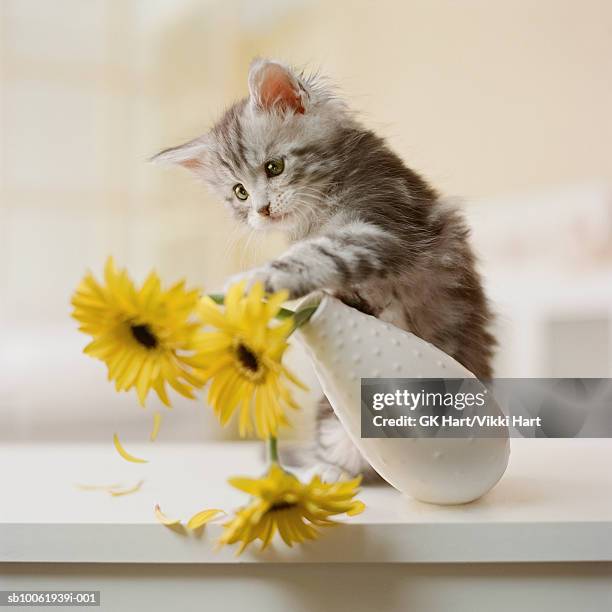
x: 280, y: 502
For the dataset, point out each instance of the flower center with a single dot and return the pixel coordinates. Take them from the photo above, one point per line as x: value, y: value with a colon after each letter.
x: 283, y: 505
x: 247, y: 358
x: 144, y: 336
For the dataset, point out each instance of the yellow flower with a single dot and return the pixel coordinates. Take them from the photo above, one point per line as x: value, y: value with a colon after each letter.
x: 143, y: 335
x: 243, y: 358
x: 282, y: 503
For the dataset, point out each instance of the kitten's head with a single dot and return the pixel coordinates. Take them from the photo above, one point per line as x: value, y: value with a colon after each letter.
x: 269, y: 157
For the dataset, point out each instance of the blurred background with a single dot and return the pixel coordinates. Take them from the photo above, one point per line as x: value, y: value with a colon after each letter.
x: 505, y: 105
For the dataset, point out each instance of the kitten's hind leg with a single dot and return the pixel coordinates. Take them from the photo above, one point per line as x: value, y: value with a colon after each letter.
x: 335, y: 454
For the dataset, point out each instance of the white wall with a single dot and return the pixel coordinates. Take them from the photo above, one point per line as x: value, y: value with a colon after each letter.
x: 493, y: 101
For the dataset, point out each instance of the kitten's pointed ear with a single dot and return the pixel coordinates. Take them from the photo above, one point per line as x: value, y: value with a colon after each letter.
x: 191, y: 155
x: 274, y: 86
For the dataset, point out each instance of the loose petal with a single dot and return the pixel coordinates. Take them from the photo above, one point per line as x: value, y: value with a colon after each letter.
x: 203, y: 517
x: 124, y: 453
x: 163, y: 519
x: 88, y: 487
x: 128, y: 491
x: 157, y: 419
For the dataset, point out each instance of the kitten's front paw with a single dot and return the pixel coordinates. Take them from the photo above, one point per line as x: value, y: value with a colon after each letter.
x: 274, y: 278
x: 280, y: 276
x: 250, y: 277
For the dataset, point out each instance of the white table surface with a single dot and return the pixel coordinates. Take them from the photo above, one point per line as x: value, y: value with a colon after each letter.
x: 553, y: 504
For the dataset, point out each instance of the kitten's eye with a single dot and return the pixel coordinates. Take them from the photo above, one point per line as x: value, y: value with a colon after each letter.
x: 274, y: 167
x: 240, y: 192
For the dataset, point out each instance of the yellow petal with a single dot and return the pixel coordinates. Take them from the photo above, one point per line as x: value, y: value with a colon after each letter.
x: 160, y: 389
x: 229, y: 398
x: 268, y: 532
x: 126, y: 373
x: 203, y: 517
x: 143, y: 383
x: 252, y: 486
x: 181, y: 388
x: 245, y: 424
x: 150, y: 288
x: 88, y: 487
x: 119, y: 361
x: 254, y: 300
x: 260, y: 416
x: 128, y: 491
x: 221, y: 364
x: 208, y: 342
x: 124, y: 453
x: 100, y: 347
x: 163, y: 519
x: 194, y: 377
x: 110, y: 272
x: 275, y: 302
x: 210, y: 314
x: 218, y: 384
x: 296, y: 381
x: 234, y: 300
x: 357, y: 507
x: 157, y: 419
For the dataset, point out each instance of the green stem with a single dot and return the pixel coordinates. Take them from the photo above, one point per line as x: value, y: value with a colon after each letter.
x: 272, y: 449
x: 302, y: 316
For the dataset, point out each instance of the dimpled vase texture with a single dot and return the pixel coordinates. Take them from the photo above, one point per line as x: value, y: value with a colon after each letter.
x: 346, y: 345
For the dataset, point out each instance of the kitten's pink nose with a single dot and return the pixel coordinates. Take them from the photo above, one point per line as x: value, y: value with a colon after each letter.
x: 264, y: 211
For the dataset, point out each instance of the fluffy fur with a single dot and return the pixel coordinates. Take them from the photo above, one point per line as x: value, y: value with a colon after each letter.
x: 363, y: 226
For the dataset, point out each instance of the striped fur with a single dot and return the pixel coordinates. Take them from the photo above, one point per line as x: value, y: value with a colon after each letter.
x: 363, y: 226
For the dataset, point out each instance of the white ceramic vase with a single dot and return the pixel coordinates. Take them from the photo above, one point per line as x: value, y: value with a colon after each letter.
x: 346, y: 345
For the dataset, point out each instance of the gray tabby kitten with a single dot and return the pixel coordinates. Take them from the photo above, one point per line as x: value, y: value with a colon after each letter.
x: 363, y: 226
